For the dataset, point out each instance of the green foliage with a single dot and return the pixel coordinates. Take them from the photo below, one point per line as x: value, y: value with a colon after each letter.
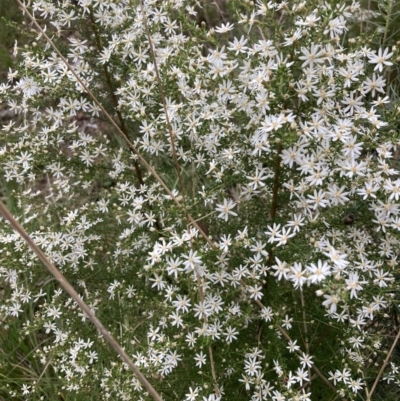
x: 201, y: 210
x: 10, y: 31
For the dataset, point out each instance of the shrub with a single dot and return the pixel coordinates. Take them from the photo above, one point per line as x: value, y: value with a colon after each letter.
x: 224, y: 197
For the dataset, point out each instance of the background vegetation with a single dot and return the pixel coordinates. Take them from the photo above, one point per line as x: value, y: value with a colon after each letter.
x: 22, y: 347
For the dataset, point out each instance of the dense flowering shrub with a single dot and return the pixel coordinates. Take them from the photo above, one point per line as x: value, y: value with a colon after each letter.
x: 267, y: 270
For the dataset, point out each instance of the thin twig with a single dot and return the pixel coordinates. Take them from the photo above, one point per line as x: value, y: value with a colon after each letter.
x: 307, y: 344
x: 75, y: 296
x: 210, y: 352
x: 385, y: 362
x: 388, y: 16
x: 365, y: 388
x: 43, y: 372
x: 275, y: 190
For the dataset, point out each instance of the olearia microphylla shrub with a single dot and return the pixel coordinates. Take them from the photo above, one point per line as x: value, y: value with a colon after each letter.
x: 269, y: 270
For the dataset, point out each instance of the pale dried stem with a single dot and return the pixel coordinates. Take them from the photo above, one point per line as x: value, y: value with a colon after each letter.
x: 219, y: 10
x: 75, y: 296
x: 210, y: 352
x: 307, y: 344
x: 385, y: 362
x: 52, y: 194
x: 43, y: 372
x: 365, y: 388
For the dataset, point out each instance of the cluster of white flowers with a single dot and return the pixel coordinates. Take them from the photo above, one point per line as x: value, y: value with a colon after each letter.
x: 278, y: 155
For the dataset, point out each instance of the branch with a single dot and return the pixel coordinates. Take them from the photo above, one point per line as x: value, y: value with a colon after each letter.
x: 385, y: 362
